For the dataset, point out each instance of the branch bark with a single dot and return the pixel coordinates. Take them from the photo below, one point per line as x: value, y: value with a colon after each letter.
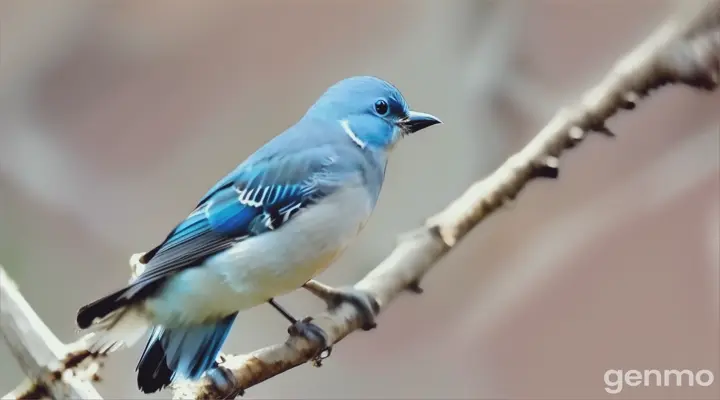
x: 47, y: 362
x: 684, y: 50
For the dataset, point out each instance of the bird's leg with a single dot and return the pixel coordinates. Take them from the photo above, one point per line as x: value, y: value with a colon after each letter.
x: 283, y: 311
x: 333, y: 297
x: 308, y: 330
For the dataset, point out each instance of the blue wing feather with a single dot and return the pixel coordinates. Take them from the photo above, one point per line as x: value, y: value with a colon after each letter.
x: 253, y: 199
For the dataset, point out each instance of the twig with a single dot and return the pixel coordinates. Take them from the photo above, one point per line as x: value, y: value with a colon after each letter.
x: 684, y: 50
x: 49, y: 364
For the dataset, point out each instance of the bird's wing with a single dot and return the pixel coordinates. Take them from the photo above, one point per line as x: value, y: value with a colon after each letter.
x: 251, y: 201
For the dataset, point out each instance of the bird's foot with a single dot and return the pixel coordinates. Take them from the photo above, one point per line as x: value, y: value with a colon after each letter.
x: 364, y: 302
x: 224, y: 380
x: 307, y: 329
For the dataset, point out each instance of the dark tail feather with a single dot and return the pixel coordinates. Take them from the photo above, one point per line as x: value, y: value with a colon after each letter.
x: 187, y: 352
x: 101, y: 308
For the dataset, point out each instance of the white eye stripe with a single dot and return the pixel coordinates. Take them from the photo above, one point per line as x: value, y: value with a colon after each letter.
x: 346, y: 127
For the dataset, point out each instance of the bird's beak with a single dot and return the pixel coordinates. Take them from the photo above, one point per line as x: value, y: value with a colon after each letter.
x: 415, y: 121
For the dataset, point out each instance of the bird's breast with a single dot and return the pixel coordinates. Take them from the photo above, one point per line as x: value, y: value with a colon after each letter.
x: 279, y: 261
x: 265, y: 266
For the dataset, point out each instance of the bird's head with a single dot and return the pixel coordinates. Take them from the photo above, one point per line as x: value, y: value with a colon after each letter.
x: 371, y: 111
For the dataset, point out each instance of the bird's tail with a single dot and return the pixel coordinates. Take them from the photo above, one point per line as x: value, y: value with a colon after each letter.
x: 112, y: 321
x: 122, y: 327
x: 180, y: 352
x: 101, y: 310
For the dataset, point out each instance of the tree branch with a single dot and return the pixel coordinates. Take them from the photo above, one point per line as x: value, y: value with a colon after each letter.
x: 684, y: 50
x: 45, y: 360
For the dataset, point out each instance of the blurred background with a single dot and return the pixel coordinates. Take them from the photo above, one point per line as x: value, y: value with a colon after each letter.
x: 116, y: 116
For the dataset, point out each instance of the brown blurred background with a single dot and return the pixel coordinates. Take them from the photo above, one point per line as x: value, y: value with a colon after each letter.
x: 115, y: 116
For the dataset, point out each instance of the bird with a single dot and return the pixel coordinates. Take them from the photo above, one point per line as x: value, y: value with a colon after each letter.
x: 267, y: 228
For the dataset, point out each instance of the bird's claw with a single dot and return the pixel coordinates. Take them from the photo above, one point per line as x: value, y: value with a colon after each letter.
x: 307, y: 329
x: 364, y: 302
x: 223, y: 379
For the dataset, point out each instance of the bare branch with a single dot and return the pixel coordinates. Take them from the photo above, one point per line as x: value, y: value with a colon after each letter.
x: 38, y: 351
x: 686, y: 50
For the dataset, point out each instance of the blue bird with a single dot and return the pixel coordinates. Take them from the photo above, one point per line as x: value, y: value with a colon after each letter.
x: 267, y: 228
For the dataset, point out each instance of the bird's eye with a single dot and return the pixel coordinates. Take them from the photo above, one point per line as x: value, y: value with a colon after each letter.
x: 381, y: 107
